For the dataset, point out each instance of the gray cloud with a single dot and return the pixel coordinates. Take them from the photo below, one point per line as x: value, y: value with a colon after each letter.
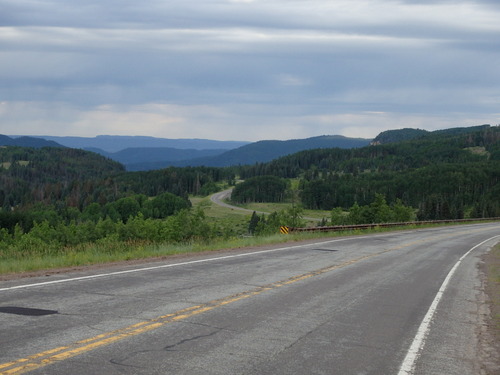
x: 228, y: 67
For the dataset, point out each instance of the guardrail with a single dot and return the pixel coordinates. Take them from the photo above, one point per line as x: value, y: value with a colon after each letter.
x: 338, y: 228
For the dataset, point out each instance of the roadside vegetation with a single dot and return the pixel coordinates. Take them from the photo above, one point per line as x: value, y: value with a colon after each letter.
x: 64, y: 207
x: 492, y: 261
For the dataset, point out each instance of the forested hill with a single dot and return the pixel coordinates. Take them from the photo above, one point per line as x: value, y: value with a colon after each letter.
x: 392, y: 136
x: 450, y: 171
x: 151, y: 158
x: 264, y: 151
x: 116, y: 143
x: 47, y: 174
x: 467, y: 146
x: 65, y: 177
x: 400, y: 135
x: 27, y: 142
x: 443, y: 174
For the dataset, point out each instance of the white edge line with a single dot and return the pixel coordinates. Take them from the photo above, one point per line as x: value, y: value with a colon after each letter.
x: 165, y: 266
x: 408, y: 365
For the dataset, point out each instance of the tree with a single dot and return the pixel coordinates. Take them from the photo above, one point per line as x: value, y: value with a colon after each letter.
x: 254, y: 221
x: 379, y: 211
x: 402, y: 213
x: 260, y: 189
x: 338, y: 217
x: 165, y: 204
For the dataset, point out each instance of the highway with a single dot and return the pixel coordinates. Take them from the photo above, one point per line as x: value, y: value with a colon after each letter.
x: 407, y: 302
x: 220, y: 197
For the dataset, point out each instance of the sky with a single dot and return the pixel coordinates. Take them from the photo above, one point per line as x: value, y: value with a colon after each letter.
x: 247, y: 70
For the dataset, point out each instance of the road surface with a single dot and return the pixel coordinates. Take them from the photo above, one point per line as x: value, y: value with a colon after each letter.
x: 353, y: 305
x: 218, y: 198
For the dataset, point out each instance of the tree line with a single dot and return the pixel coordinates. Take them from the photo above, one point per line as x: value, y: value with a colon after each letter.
x: 77, y: 178
x: 443, y: 176
x: 76, y: 195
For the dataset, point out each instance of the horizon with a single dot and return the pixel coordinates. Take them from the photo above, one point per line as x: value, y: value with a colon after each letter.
x: 231, y: 140
x: 174, y: 139
x: 247, y: 69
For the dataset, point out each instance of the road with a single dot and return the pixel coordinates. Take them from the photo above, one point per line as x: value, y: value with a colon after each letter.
x: 352, y: 305
x: 218, y: 198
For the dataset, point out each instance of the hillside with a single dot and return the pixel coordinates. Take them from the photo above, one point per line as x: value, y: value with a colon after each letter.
x: 116, y: 143
x: 150, y: 158
x: 455, y: 172
x: 446, y: 174
x: 66, y: 177
x: 29, y: 175
x: 399, y: 135
x: 406, y: 134
x: 264, y: 151
x: 27, y: 142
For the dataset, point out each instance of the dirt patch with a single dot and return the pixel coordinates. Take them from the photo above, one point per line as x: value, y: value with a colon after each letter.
x: 489, y: 335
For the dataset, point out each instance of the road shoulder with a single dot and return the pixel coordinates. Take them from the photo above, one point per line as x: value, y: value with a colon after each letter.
x: 489, y: 334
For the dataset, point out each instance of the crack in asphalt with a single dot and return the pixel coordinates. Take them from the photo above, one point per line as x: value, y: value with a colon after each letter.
x: 170, y: 348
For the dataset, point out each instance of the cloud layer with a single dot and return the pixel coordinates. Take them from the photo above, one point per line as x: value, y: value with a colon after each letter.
x: 247, y: 70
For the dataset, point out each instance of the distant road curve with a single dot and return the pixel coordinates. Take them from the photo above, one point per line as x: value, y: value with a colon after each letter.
x: 218, y: 198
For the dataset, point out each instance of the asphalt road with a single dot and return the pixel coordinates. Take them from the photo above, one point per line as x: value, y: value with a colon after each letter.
x: 353, y: 305
x: 218, y: 198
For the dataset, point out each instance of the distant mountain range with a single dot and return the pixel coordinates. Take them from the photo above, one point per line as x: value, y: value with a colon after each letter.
x: 27, y: 142
x: 258, y: 152
x: 138, y: 153
x: 116, y: 143
x: 147, y: 153
x: 148, y: 158
x: 264, y: 151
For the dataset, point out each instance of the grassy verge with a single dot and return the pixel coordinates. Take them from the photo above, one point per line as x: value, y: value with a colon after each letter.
x: 234, y: 223
x: 492, y: 261
x: 107, y: 252
x: 223, y: 217
x: 104, y: 252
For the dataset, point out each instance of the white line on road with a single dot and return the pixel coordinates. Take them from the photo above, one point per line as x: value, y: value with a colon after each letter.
x: 166, y: 266
x: 408, y: 365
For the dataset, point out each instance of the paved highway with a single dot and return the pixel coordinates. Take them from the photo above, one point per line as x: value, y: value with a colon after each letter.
x: 218, y: 199
x: 406, y: 302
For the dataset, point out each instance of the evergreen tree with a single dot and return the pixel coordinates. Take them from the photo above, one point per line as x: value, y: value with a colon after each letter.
x: 254, y: 222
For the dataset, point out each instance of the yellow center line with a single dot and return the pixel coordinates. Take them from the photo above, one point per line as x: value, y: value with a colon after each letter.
x: 51, y: 356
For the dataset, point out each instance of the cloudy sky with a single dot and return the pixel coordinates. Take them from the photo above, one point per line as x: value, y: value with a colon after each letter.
x: 247, y: 69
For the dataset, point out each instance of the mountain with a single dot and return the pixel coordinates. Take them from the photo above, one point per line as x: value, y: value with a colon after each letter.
x: 399, y: 135
x: 115, y: 143
x: 406, y: 134
x: 452, y: 173
x: 27, y: 142
x: 139, y: 153
x: 144, y: 158
x: 264, y: 151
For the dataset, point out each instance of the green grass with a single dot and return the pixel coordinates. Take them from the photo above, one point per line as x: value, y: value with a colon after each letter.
x: 106, y: 252
x: 232, y: 224
x: 492, y: 261
x: 271, y: 207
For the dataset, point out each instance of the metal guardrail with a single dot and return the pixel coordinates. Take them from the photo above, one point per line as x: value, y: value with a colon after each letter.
x: 338, y: 228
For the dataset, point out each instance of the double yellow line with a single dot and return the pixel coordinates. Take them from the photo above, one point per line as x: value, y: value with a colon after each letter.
x: 61, y: 353
x: 48, y: 357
